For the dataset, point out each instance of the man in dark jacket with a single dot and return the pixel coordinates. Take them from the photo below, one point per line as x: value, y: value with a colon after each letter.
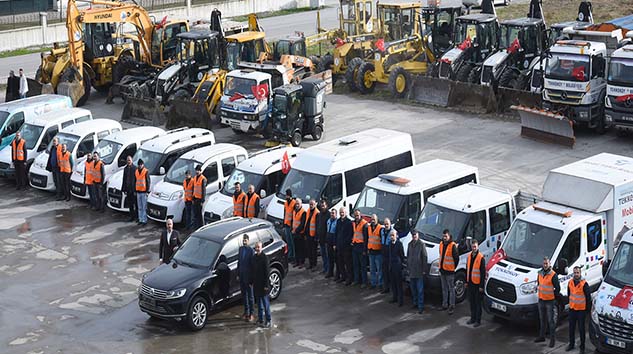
x: 475, y: 280
x: 53, y: 167
x: 385, y: 237
x: 344, y: 235
x: 395, y: 259
x: 579, y: 306
x: 449, y: 259
x: 261, y: 285
x: 13, y: 87
x: 332, y: 222
x: 244, y: 266
x: 416, y: 264
x: 129, y: 183
x: 321, y: 231
x: 169, y: 242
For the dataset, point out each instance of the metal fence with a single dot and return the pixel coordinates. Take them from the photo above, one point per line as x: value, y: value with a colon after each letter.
x: 16, y: 7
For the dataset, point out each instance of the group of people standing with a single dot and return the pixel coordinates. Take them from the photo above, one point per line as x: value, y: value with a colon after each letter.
x: 17, y: 86
x: 60, y: 164
x: 253, y: 270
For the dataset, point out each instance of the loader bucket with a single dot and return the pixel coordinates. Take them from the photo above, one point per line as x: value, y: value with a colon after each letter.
x: 142, y: 111
x: 470, y: 97
x: 546, y: 126
x: 74, y: 90
x: 184, y: 113
x: 35, y: 87
x: 432, y: 91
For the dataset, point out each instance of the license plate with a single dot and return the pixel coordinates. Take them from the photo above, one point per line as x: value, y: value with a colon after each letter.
x: 113, y: 200
x: 76, y: 189
x: 149, y: 301
x: 616, y: 343
x: 153, y: 212
x: 36, y: 181
x: 499, y: 307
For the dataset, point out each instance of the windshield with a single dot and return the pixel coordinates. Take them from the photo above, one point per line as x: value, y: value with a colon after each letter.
x: 568, y: 67
x: 232, y: 55
x: 465, y: 30
x: 31, y: 133
x: 245, y: 179
x: 381, y: 203
x: 239, y: 85
x: 434, y: 219
x: 621, y: 269
x: 64, y: 138
x: 280, y: 103
x: 508, y: 35
x: 197, y: 252
x: 621, y: 72
x: 3, y: 117
x: 108, y: 150
x: 150, y: 159
x: 176, y: 173
x: 304, y: 185
x: 527, y: 243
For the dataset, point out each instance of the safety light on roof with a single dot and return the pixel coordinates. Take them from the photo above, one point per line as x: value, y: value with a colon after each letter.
x: 346, y: 141
x: 566, y: 214
x: 395, y: 179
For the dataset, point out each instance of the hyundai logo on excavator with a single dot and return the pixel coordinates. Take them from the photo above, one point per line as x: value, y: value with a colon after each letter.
x: 103, y: 16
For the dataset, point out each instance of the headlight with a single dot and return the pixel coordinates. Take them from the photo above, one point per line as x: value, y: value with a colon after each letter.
x: 176, y: 195
x: 529, y: 288
x: 607, y: 102
x: 174, y: 294
x: 435, y: 267
x: 227, y: 213
x: 594, y: 313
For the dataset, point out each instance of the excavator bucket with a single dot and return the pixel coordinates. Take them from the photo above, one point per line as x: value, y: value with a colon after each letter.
x: 74, y: 90
x: 142, y: 111
x: 546, y: 126
x: 432, y: 91
x: 185, y: 113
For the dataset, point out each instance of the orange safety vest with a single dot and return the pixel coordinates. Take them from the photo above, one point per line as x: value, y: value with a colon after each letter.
x: 250, y: 206
x: 296, y: 220
x: 288, y: 211
x: 577, y: 300
x: 198, y: 182
x: 188, y: 188
x: 88, y: 172
x: 475, y: 275
x: 59, y: 152
x: 64, y: 162
x: 238, y: 204
x: 448, y: 263
x: 373, y: 243
x: 18, y: 150
x: 358, y: 231
x: 545, y: 286
x: 141, y: 183
x: 96, y: 171
x: 311, y: 221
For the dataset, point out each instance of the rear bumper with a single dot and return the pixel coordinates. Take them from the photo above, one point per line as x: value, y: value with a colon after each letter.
x: 516, y: 313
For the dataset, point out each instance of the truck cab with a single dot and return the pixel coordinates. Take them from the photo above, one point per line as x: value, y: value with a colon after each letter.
x: 245, y: 104
x: 619, y: 98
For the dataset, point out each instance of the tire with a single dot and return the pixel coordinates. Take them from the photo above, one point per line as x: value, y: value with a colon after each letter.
x: 181, y: 94
x: 460, y: 288
x: 197, y: 313
x: 350, y: 73
x: 315, y: 63
x: 296, y: 139
x: 474, y: 76
x: 391, y: 61
x: 523, y: 83
x: 326, y: 63
x: 601, y: 127
x: 399, y: 82
x: 276, y: 283
x: 509, y: 79
x: 463, y: 73
x: 364, y: 81
x: 317, y: 133
x: 87, y: 88
x: 122, y: 67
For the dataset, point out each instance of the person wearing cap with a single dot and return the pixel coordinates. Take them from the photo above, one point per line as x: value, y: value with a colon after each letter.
x: 187, y: 187
x: 199, y: 195
x: 142, y: 189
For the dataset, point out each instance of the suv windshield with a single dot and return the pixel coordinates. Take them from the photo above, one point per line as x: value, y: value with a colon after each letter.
x: 621, y: 269
x: 434, y: 219
x: 197, y: 252
x: 176, y: 173
x: 245, y: 179
x: 64, y: 138
x: 621, y: 72
x: 304, y: 185
x: 527, y: 243
x: 150, y: 159
x: 381, y: 203
x: 568, y: 67
x: 239, y: 85
x: 31, y: 133
x: 108, y: 150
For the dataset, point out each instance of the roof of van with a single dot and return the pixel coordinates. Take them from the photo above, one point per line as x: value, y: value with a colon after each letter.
x: 91, y: 126
x: 135, y: 134
x: 39, y: 99
x: 353, y: 151
x: 423, y: 176
x: 178, y: 138
x: 58, y: 116
x: 261, y: 161
x: 469, y: 198
x: 204, y: 153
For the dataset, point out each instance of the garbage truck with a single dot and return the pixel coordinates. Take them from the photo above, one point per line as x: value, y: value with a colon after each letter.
x: 586, y: 206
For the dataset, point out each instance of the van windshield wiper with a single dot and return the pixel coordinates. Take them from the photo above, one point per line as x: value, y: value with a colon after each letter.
x: 524, y: 263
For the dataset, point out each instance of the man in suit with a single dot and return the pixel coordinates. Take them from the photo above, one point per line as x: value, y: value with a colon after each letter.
x: 169, y: 242
x: 129, y: 183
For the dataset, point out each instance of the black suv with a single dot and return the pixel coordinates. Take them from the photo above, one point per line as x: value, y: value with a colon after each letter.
x: 188, y: 287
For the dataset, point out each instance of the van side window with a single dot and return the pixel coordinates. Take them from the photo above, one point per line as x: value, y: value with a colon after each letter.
x: 499, y: 218
x: 211, y: 172
x: 81, y: 119
x: 129, y: 151
x: 265, y: 237
x: 231, y: 248
x: 68, y: 123
x: 414, y: 205
x: 103, y: 134
x: 333, y: 190
x: 571, y: 249
x: 594, y: 235
x: 14, y: 124
x: 476, y: 228
x: 240, y: 158
x: 86, y: 145
x: 170, y: 160
x: 355, y: 179
x: 228, y: 164
x: 454, y: 183
x: 395, y: 163
x: 48, y: 136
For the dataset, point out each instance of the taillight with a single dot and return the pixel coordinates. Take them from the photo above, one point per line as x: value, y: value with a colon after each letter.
x: 285, y: 248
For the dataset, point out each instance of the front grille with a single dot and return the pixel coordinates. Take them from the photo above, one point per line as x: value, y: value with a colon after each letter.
x: 4, y: 165
x: 616, y: 328
x: 501, y: 290
x: 566, y: 97
x: 115, y: 197
x: 626, y: 105
x: 38, y: 180
x: 153, y: 293
x: 486, y: 75
x: 151, y: 307
x: 232, y: 115
x: 78, y: 188
x: 445, y: 70
x: 114, y: 192
x: 157, y: 211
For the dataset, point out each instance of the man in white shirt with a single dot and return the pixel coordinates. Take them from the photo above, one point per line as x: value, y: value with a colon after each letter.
x: 24, y: 85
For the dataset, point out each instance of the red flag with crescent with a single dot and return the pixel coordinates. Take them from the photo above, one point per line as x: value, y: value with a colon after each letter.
x: 260, y: 91
x: 285, y: 163
x: 515, y: 46
x: 623, y: 298
x: 236, y: 96
x: 496, y: 258
x: 467, y: 43
x: 579, y: 73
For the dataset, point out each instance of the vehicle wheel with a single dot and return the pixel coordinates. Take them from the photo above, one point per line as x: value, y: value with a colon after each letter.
x: 391, y: 61
x: 296, y: 139
x: 326, y: 63
x: 315, y: 63
x: 197, y: 314
x: 434, y: 70
x: 181, y: 94
x: 463, y: 72
x: 601, y: 127
x: 317, y: 133
x: 365, y: 79
x: 460, y: 287
x: 508, y: 79
x: 474, y: 76
x: 87, y: 88
x: 399, y: 82
x: 350, y: 73
x: 122, y: 67
x: 276, y: 283
x: 522, y: 83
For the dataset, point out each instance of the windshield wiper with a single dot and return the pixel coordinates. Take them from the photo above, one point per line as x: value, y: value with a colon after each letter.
x: 524, y: 263
x: 432, y: 237
x: 613, y: 281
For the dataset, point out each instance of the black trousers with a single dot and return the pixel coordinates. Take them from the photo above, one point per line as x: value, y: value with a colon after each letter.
x: 349, y: 264
x: 577, y: 318
x: 100, y: 200
x: 300, y: 249
x: 331, y: 253
x: 397, y: 293
x: 311, y: 250
x: 130, y: 202
x: 20, y: 174
x: 197, y: 213
x: 59, y: 185
x: 66, y: 183
x: 386, y: 277
x: 475, y: 298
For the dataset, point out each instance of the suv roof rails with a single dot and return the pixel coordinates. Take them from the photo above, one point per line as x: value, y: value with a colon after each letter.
x: 176, y: 130
x: 255, y: 226
x: 267, y: 150
x: 193, y: 136
x: 221, y: 221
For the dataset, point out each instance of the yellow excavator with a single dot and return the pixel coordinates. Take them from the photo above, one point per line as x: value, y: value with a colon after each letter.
x: 99, y: 53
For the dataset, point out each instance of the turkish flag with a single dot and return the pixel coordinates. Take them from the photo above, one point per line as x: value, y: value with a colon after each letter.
x: 285, y: 163
x: 624, y: 98
x: 579, y: 73
x: 260, y: 91
x: 467, y: 43
x: 380, y: 45
x: 338, y: 42
x: 623, y: 298
x: 515, y: 46
x: 496, y: 258
x: 236, y: 96
x: 162, y: 23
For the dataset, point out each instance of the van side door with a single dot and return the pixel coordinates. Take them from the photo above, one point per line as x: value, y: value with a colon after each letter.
x: 593, y: 251
x: 570, y: 252
x: 500, y: 218
x: 47, y: 137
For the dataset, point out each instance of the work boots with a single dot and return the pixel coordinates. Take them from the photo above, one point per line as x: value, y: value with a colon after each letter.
x: 552, y: 342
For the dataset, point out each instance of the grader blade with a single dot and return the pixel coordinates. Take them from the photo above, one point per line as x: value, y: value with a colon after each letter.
x: 546, y: 126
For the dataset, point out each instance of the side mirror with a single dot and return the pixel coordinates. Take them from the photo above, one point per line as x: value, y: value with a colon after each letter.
x: 605, y: 267
x: 562, y: 266
x: 410, y: 221
x: 42, y: 147
x: 262, y: 194
x: 161, y: 170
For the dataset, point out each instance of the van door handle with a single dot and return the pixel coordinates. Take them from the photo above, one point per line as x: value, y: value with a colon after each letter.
x: 219, y: 185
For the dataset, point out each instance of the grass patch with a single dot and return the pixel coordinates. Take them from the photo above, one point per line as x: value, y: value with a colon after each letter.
x: 557, y: 11
x: 273, y: 13
x: 320, y: 49
x: 23, y: 51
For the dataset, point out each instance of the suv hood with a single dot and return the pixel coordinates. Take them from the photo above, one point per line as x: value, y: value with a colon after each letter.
x: 172, y: 276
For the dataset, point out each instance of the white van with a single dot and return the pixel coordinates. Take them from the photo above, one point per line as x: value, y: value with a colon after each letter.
x: 158, y: 155
x: 38, y: 132
x: 262, y: 170
x: 401, y: 195
x: 166, y: 201
x: 338, y: 169
x: 80, y: 139
x: 113, y: 151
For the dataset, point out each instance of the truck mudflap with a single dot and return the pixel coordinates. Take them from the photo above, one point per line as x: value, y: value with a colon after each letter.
x: 142, y: 111
x: 546, y: 126
x: 186, y: 113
